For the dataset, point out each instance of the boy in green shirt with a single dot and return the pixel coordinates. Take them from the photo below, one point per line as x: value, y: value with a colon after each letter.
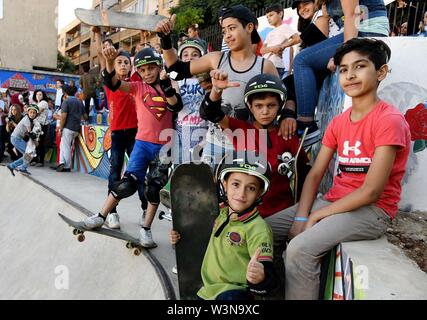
x: 239, y: 259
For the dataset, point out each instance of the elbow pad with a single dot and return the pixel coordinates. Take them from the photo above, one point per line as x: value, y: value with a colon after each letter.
x: 179, y: 70
x: 270, y: 282
x: 178, y: 106
x: 211, y: 111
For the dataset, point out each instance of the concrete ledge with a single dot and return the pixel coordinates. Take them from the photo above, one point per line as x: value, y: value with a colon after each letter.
x: 381, y: 271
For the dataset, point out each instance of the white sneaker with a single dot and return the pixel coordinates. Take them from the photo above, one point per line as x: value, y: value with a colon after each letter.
x: 146, y: 239
x: 113, y: 221
x: 175, y: 270
x: 93, y: 222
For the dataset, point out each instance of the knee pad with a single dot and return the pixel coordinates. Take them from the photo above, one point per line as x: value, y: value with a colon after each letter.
x: 152, y: 193
x: 125, y: 188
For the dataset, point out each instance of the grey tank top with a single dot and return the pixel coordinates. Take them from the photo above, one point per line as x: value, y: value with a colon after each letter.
x: 233, y: 103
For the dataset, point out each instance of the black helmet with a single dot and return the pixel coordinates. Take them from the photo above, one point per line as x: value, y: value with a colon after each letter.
x: 245, y: 162
x: 265, y: 82
x: 147, y: 56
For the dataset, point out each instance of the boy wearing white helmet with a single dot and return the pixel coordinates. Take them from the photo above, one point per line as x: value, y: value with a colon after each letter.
x: 238, y: 263
x: 25, y: 130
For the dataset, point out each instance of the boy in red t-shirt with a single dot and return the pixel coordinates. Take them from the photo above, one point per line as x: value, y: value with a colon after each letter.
x: 155, y: 99
x: 372, y: 141
x: 264, y: 96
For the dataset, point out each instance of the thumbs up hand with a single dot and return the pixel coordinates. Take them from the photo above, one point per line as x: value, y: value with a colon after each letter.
x: 255, y: 273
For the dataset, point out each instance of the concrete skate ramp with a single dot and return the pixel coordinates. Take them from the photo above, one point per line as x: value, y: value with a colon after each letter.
x: 41, y: 259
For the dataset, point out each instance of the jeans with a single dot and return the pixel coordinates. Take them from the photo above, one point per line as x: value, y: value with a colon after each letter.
x: 3, y: 135
x: 67, y: 141
x: 122, y: 141
x: 304, y: 253
x: 20, y: 145
x: 143, y: 153
x: 311, y: 63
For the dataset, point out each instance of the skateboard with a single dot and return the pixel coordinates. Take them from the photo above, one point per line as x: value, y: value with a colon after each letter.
x: 291, y: 166
x: 194, y: 205
x: 80, y: 229
x: 109, y: 18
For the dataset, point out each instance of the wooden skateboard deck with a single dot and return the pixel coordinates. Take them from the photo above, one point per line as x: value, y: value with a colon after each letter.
x: 110, y: 18
x: 79, y: 230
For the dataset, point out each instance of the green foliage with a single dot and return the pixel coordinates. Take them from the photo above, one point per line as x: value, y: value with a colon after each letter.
x: 188, y: 17
x: 65, y: 65
x: 209, y: 9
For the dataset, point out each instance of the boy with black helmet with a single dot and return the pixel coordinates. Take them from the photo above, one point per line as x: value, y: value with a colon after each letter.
x: 156, y: 99
x: 241, y: 241
x: 264, y: 97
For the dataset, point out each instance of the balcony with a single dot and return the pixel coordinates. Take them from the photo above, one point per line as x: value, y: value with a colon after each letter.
x: 84, y: 57
x: 73, y: 43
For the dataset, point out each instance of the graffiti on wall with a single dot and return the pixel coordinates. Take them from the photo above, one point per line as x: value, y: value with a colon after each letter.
x: 92, y: 154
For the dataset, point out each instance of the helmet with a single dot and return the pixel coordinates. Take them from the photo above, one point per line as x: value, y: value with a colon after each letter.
x: 147, y: 56
x: 265, y: 83
x: 248, y: 162
x: 191, y: 43
x: 33, y: 107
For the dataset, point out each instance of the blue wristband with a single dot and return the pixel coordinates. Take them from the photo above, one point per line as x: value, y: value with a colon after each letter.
x: 303, y: 219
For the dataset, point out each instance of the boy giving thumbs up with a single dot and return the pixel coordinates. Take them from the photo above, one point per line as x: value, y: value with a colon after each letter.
x: 238, y: 263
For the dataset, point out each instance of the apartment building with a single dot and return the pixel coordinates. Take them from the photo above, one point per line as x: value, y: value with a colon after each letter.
x: 76, y: 40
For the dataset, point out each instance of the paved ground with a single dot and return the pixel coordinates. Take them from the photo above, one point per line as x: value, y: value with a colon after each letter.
x: 39, y: 254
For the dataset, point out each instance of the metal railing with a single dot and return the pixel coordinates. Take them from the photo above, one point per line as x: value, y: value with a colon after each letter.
x: 411, y: 13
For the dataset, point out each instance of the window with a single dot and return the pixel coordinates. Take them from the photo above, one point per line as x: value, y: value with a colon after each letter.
x: 1, y: 9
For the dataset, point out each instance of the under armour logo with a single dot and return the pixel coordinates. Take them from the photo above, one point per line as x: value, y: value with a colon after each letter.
x: 355, y: 149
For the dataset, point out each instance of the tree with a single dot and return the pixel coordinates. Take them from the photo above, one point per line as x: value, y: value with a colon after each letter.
x: 209, y: 9
x: 65, y: 65
x: 188, y: 17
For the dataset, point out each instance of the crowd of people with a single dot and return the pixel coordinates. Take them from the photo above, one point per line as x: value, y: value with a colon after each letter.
x: 168, y: 106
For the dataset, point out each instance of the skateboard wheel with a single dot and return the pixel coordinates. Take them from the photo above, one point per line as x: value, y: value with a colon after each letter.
x: 136, y: 252
x: 81, y: 237
x: 129, y: 245
x: 75, y: 232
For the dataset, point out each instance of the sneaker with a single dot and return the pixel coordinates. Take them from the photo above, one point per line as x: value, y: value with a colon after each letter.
x: 313, y: 133
x: 11, y: 170
x: 142, y: 218
x: 39, y: 165
x: 175, y: 270
x: 146, y: 239
x: 113, y: 221
x: 94, y: 222
x: 24, y: 171
x: 61, y: 168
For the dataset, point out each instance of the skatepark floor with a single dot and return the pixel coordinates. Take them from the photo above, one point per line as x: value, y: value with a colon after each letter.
x: 37, y: 248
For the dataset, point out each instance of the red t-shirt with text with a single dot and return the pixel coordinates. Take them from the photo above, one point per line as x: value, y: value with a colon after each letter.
x: 356, y: 142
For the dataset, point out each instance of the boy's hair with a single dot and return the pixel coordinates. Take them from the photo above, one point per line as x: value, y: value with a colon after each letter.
x: 263, y: 95
x: 109, y: 41
x: 376, y: 50
x: 69, y: 91
x: 277, y: 7
x: 60, y: 80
